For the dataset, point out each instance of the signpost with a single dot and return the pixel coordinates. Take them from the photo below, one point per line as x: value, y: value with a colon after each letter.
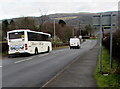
x: 104, y: 20
x: 111, y: 41
x: 101, y: 36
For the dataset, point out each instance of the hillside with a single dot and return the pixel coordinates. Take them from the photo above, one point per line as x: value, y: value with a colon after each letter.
x: 74, y: 19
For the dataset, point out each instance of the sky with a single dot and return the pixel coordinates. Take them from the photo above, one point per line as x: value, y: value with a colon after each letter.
x: 23, y: 8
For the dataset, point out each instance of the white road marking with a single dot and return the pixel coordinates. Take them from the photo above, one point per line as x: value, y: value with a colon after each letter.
x: 30, y: 58
x: 23, y: 60
x: 0, y: 66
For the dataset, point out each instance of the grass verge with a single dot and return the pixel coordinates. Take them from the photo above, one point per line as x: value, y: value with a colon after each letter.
x: 3, y: 53
x: 60, y: 47
x: 112, y: 78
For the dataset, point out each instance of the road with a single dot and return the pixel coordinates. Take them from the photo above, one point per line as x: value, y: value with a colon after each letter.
x: 36, y: 70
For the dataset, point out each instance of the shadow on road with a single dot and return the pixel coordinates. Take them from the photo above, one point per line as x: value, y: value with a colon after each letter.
x: 19, y: 55
x: 23, y: 55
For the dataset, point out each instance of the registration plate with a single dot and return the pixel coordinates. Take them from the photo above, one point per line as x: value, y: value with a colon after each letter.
x: 17, y: 52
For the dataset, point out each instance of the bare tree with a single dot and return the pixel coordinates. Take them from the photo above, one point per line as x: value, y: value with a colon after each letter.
x: 5, y: 28
x: 26, y: 23
x: 12, y: 25
x: 42, y: 19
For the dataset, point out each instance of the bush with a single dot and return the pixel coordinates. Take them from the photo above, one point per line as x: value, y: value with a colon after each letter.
x: 85, y: 37
x: 60, y: 44
x: 116, y: 44
x: 112, y: 80
x: 4, y: 47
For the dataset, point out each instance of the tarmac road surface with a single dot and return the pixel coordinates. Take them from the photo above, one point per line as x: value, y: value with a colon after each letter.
x: 36, y: 70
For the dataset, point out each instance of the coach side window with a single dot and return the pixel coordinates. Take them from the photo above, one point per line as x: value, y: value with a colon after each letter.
x: 32, y: 36
x: 45, y: 37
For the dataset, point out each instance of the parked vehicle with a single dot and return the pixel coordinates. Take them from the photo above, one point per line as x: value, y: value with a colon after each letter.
x: 75, y: 43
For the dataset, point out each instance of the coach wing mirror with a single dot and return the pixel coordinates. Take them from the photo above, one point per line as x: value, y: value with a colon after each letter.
x: 50, y: 39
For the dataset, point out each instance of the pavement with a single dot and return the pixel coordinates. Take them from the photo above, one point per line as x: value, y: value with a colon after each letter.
x: 80, y: 73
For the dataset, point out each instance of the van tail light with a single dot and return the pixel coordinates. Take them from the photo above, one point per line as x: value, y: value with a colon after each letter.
x: 26, y: 47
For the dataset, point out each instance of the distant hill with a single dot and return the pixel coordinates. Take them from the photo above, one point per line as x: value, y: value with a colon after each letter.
x: 73, y: 19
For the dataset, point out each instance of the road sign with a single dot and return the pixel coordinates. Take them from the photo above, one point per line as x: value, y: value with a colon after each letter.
x: 105, y: 20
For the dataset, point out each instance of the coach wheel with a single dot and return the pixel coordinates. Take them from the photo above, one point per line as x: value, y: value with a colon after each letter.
x: 36, y: 51
x: 48, y: 50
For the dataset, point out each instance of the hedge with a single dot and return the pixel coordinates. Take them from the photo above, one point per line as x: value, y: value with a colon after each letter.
x: 116, y: 44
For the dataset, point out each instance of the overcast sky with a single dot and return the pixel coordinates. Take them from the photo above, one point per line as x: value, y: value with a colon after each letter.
x: 20, y: 8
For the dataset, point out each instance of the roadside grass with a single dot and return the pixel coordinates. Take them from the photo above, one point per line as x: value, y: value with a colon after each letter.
x: 3, y: 53
x: 113, y: 77
x: 3, y: 41
x: 60, y: 47
x: 93, y: 38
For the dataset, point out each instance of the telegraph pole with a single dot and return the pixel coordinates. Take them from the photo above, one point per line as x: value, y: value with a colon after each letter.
x: 54, y: 30
x: 73, y: 32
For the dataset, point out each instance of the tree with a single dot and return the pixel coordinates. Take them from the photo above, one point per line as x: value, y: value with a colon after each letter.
x: 89, y: 29
x: 62, y: 23
x: 63, y: 33
x: 26, y: 23
x: 5, y: 27
x: 43, y: 18
x: 48, y: 27
x: 60, y: 32
x: 68, y: 32
x: 83, y: 32
x: 12, y: 25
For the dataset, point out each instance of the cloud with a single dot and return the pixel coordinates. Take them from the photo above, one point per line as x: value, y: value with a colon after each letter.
x: 13, y: 8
